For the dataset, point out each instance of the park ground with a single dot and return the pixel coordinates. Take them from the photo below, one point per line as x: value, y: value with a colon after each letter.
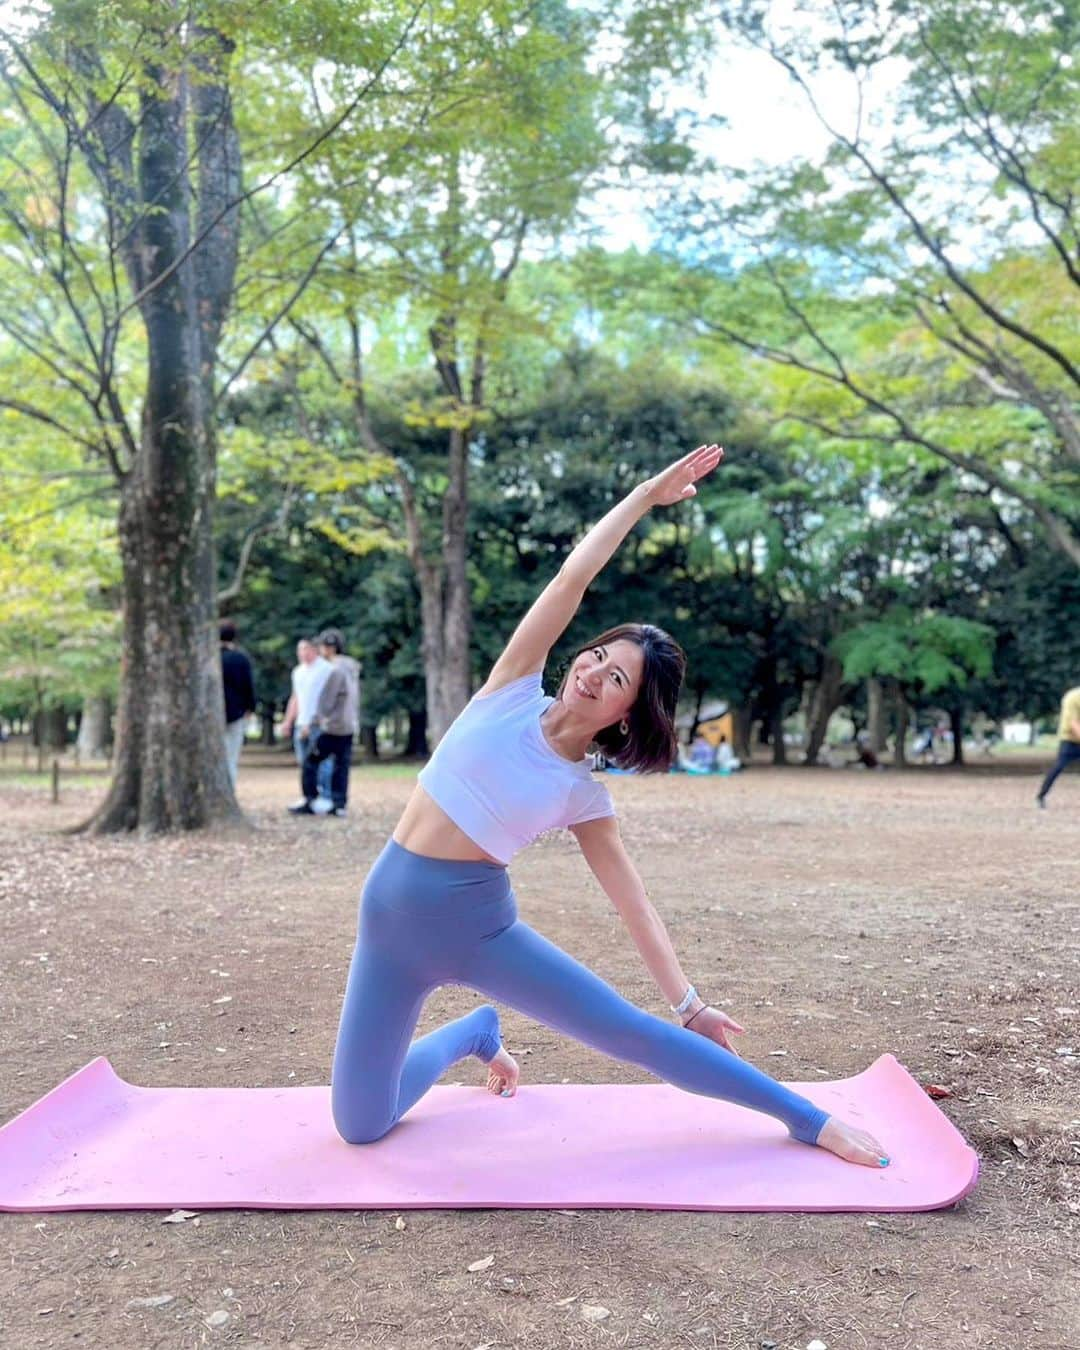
x: 839, y: 914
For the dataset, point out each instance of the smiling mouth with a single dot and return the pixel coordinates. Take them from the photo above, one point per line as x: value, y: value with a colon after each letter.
x: 581, y: 688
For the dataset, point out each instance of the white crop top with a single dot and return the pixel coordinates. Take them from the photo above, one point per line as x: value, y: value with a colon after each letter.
x: 498, y: 779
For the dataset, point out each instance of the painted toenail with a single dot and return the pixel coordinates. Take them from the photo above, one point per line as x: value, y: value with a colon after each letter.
x: 505, y: 1092
x: 884, y: 1162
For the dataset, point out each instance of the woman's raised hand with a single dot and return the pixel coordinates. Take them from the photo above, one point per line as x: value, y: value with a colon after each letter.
x: 716, y: 1026
x: 676, y: 482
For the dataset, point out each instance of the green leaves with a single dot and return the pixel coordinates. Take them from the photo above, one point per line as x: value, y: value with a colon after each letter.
x: 917, y: 288
x: 59, y: 568
x: 923, y: 653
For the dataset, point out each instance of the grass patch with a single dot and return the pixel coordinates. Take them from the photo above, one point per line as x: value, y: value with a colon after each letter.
x: 42, y: 782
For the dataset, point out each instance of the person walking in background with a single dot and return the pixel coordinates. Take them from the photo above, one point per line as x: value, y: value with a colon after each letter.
x: 308, y: 677
x: 1068, y: 742
x: 337, y: 716
x: 238, y: 681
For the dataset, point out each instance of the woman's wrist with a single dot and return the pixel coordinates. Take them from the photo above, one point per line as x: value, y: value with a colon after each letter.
x: 643, y: 495
x: 689, y: 995
x: 688, y: 1014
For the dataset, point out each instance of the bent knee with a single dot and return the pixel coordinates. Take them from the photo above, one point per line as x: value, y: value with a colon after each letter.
x: 357, y: 1123
x: 362, y: 1136
x: 361, y: 1131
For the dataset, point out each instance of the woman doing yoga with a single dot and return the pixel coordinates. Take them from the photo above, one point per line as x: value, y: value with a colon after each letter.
x: 437, y: 907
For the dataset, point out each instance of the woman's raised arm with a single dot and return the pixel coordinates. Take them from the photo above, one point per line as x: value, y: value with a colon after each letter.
x: 551, y: 612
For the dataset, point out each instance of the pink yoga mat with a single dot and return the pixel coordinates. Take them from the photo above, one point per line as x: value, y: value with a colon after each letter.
x: 96, y: 1142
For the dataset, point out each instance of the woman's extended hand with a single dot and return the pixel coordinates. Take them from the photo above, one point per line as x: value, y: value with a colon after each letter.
x: 676, y: 482
x: 716, y: 1026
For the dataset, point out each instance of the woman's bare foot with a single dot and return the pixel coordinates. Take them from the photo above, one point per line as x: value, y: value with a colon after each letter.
x: 503, y: 1073
x: 851, y: 1144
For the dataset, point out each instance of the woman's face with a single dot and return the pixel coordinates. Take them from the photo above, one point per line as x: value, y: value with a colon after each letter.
x: 604, y: 681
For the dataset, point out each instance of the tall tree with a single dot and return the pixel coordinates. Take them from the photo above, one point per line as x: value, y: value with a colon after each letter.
x: 920, y: 285
x: 113, y: 129
x: 488, y: 152
x: 120, y: 202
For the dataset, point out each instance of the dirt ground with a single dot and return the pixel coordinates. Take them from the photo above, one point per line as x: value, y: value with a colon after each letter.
x: 933, y: 914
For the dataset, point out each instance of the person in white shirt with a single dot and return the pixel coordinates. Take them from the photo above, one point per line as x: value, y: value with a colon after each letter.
x: 726, y: 760
x: 308, y: 677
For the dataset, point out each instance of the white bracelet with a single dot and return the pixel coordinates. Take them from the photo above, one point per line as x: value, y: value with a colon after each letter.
x: 688, y: 998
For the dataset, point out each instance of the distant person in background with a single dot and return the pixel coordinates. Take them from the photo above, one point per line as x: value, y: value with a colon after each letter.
x: 1068, y: 742
x: 238, y: 681
x: 332, y: 648
x: 337, y: 717
x: 864, y: 753
x: 726, y: 759
x: 943, y: 739
x: 923, y: 744
x: 308, y: 677
x: 702, y: 755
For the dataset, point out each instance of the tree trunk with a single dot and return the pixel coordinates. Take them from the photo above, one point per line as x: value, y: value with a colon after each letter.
x: 875, y: 715
x: 50, y: 729
x: 700, y: 691
x: 456, y: 677
x: 369, y: 739
x: 828, y: 694
x: 900, y: 754
x: 94, y: 730
x: 417, y: 742
x: 444, y: 601
x: 266, y: 722
x: 776, y: 732
x: 956, y: 722
x: 741, y: 720
x: 170, y: 770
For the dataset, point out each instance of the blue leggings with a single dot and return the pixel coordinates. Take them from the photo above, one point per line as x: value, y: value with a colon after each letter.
x: 426, y: 922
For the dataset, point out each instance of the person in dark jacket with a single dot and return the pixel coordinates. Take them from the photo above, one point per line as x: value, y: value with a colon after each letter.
x: 238, y: 681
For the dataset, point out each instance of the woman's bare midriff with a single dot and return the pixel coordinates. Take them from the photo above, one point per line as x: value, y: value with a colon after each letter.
x: 425, y: 828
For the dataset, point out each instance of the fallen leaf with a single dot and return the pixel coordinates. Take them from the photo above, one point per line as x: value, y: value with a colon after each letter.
x: 399, y: 1224
x: 179, y: 1215
x: 1021, y: 1147
x: 594, y: 1312
x: 936, y: 1090
x: 483, y: 1264
x: 154, y: 1301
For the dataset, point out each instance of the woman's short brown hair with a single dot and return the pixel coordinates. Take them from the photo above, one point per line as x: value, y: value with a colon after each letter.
x: 651, y: 745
